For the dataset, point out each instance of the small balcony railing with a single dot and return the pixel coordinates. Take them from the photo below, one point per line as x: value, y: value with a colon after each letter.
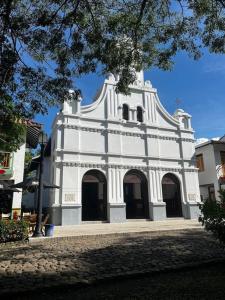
x: 5, y: 163
x: 5, y: 159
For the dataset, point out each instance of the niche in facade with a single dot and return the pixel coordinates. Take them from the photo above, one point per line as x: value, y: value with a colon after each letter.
x: 185, y: 123
x: 139, y: 114
x: 125, y: 112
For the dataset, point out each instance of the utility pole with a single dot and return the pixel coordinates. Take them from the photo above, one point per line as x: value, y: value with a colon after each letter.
x: 37, y: 231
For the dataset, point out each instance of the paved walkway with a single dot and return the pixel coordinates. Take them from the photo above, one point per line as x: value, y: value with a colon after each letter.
x: 128, y: 227
x: 89, y: 258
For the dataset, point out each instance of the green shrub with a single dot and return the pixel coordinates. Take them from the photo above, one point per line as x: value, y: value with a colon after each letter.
x: 12, y: 230
x: 213, y: 216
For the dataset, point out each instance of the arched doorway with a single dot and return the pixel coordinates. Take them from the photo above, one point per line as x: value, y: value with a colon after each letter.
x: 171, y: 195
x: 94, y: 196
x: 136, y: 195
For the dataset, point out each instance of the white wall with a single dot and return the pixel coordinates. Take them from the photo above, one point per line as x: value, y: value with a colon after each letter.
x: 212, y: 164
x: 18, y: 171
x: 208, y: 176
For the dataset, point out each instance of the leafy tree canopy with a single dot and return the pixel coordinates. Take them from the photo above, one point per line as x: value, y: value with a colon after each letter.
x: 45, y: 45
x: 213, y: 216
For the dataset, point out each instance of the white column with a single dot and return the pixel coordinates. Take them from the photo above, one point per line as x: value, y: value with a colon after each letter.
x: 110, y: 104
x: 189, y: 123
x: 110, y: 186
x: 78, y: 186
x: 57, y: 180
x: 146, y: 105
x: 119, y: 188
x: 119, y: 110
x: 155, y: 186
x: 130, y: 114
x: 159, y: 187
x: 115, y: 185
x: 152, y: 188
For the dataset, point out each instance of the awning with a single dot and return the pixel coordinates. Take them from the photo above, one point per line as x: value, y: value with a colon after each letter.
x: 33, y: 182
x: 6, y: 187
x: 34, y: 164
x: 50, y: 186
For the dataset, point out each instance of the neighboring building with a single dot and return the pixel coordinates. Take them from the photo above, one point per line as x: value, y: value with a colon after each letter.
x: 122, y: 157
x: 210, y: 160
x: 30, y: 197
x: 12, y: 168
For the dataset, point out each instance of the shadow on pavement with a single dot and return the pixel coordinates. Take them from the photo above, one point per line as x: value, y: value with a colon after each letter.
x: 85, y: 260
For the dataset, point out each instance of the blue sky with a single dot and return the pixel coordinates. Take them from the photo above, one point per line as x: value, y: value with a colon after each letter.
x: 200, y: 85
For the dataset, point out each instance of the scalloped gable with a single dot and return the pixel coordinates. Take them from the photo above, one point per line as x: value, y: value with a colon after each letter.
x: 164, y: 118
x: 108, y: 105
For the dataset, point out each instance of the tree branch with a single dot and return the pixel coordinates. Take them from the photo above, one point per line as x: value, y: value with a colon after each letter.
x: 141, y: 13
x: 90, y: 11
x: 221, y: 2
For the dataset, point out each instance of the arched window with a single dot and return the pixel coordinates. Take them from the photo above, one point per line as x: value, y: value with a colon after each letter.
x: 125, y: 112
x: 185, y: 123
x: 135, y: 192
x: 94, y: 196
x: 171, y: 195
x: 139, y: 114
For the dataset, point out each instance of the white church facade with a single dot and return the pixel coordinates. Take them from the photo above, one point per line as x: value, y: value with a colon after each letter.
x: 122, y: 157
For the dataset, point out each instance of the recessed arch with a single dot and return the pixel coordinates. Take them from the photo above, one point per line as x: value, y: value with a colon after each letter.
x: 125, y: 112
x: 139, y: 114
x: 94, y: 196
x: 172, y: 195
x: 135, y: 189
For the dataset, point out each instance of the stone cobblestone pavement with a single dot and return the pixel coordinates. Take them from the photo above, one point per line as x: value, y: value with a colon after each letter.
x: 86, y: 259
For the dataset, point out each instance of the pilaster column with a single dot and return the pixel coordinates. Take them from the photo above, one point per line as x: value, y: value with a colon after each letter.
x: 116, y: 206
x: 157, y: 208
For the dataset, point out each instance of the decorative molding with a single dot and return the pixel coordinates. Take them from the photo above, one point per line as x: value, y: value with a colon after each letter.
x: 163, y: 137
x: 119, y: 166
x: 188, y: 140
x: 127, y: 133
x: 107, y: 155
x: 71, y: 126
x: 118, y: 122
x: 171, y: 138
x: 195, y: 170
x: 114, y: 131
x: 82, y: 128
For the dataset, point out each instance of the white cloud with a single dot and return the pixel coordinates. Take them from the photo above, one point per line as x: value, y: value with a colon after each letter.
x: 214, y: 68
x: 204, y: 140
x: 216, y: 138
x: 201, y: 141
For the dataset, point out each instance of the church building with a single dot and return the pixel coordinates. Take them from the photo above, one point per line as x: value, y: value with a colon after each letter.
x: 122, y: 157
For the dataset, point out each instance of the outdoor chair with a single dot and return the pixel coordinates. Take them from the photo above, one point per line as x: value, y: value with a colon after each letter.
x: 44, y: 223
x: 5, y: 217
x: 32, y: 222
x: 26, y: 216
